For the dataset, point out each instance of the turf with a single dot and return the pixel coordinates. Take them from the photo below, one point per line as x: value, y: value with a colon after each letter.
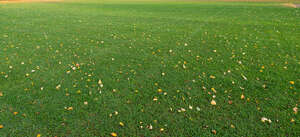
x: 79, y: 68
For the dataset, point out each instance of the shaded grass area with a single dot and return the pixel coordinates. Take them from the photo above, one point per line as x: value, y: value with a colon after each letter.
x: 52, y: 56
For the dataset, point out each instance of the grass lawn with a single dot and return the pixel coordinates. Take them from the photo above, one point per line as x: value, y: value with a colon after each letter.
x: 149, y: 68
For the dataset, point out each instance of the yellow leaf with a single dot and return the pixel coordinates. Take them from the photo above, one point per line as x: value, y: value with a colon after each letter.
x: 214, y: 90
x: 242, y: 96
x: 113, y: 134
x: 292, y: 120
x: 212, y: 76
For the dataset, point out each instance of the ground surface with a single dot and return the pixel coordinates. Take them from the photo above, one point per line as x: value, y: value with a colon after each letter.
x: 161, y: 68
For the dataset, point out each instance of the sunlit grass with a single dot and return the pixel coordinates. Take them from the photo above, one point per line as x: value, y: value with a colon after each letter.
x: 106, y: 68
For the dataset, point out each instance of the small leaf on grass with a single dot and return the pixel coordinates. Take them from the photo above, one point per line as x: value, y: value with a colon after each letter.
x: 264, y: 119
x: 213, y: 102
x: 214, y: 131
x: 113, y: 134
x: 295, y: 109
x: 242, y: 96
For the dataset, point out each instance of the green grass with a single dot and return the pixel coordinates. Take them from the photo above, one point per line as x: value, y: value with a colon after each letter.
x: 128, y: 46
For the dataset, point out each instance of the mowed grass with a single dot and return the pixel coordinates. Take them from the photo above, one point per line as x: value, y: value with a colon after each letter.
x: 80, y: 68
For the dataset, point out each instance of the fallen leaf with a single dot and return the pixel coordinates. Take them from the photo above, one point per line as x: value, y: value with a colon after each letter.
x: 214, y: 90
x: 213, y: 102
x: 214, y: 131
x: 242, y: 96
x: 70, y: 108
x: 264, y: 119
x: 295, y: 109
x: 212, y: 76
x: 292, y: 120
x: 113, y: 134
